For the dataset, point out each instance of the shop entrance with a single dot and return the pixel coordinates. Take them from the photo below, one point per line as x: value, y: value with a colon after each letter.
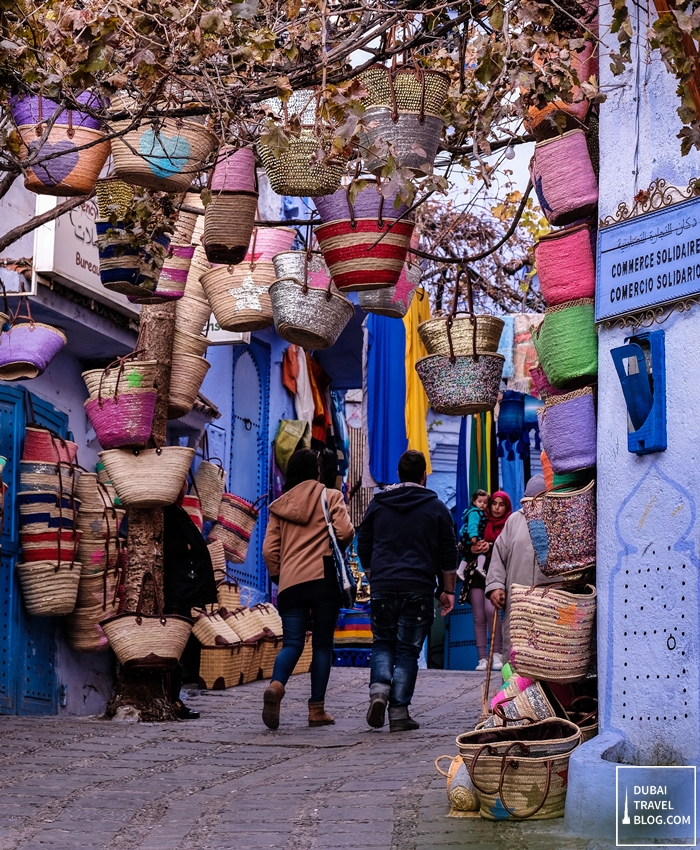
x: 27, y: 644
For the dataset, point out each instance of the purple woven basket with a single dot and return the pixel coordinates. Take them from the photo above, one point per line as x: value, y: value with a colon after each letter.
x: 336, y: 207
x: 234, y: 171
x: 25, y: 110
x: 568, y: 431
x: 126, y: 420
x: 27, y: 349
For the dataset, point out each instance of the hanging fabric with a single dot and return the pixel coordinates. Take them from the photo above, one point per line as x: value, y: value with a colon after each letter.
x: 416, y: 398
x: 505, y: 346
x: 513, y: 479
x: 473, y: 457
x: 304, y: 398
x: 386, y: 396
x: 462, y: 491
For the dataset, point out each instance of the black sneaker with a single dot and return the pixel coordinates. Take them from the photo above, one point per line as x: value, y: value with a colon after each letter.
x: 184, y: 712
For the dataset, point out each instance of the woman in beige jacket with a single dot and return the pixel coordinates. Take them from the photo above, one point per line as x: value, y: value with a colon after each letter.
x: 297, y: 552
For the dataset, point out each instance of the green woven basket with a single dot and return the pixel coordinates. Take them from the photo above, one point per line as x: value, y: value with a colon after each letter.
x: 567, y: 343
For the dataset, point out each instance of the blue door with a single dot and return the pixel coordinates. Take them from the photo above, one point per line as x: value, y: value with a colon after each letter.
x: 250, y: 451
x: 27, y: 644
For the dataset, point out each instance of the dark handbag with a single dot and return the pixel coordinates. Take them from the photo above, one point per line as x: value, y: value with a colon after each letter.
x: 346, y: 580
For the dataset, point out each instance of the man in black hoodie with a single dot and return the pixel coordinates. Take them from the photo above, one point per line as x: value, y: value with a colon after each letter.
x: 406, y: 538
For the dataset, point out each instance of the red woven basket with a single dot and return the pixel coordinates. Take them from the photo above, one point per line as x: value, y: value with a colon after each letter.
x: 43, y: 446
x: 235, y: 525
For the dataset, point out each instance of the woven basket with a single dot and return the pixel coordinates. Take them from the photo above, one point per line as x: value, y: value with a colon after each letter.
x: 220, y: 667
x: 125, y: 268
x: 294, y: 173
x: 565, y: 265
x: 210, y: 480
x: 460, y: 790
x: 99, y: 591
x: 27, y: 349
x: 228, y: 592
x: 239, y: 296
x: 414, y: 89
x: 35, y: 475
x: 123, y: 420
x: 567, y: 343
x: 211, y: 629
x: 308, y: 317
x: 149, y: 478
x: 435, y: 337
x: 46, y: 506
x: 130, y: 373
x: 172, y: 278
x: 369, y: 203
x: 303, y: 665
x: 187, y: 343
x: 564, y: 179
x: 392, y: 301
x: 97, y: 554
x: 228, y: 225
x: 568, y: 431
x: 562, y: 527
x: 191, y: 505
x: 187, y: 374
x: 470, y: 385
x: 102, y: 523
x: 49, y: 589
x: 363, y: 254
x: 218, y: 561
x: 267, y: 242
x: 147, y: 640
x: 167, y: 158
x: 42, y: 445
x: 234, y: 170
x: 270, y: 618
x: 83, y: 630
x: 542, y: 386
x: 247, y: 623
x: 269, y: 650
x: 45, y: 546
x: 250, y: 660
x: 192, y: 314
x: 551, y: 631
x: 93, y: 495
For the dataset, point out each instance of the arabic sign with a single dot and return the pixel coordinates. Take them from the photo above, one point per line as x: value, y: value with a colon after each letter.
x: 648, y: 261
x: 67, y: 249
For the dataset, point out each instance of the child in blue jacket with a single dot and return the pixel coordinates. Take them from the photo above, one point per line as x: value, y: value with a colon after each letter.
x: 472, y: 531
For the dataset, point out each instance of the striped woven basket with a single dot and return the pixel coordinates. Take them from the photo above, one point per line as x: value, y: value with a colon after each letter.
x: 60, y: 478
x: 551, y: 630
x: 220, y: 667
x: 49, y: 588
x: 234, y: 526
x: 239, y: 295
x: 435, y: 334
x: 130, y: 373
x: 47, y: 506
x: 40, y: 444
x: 172, y: 278
x: 148, y: 478
x: 191, y: 505
x: 303, y: 665
x: 211, y: 629
x: 50, y: 546
x: 187, y: 374
x: 101, y: 523
x: 218, y: 562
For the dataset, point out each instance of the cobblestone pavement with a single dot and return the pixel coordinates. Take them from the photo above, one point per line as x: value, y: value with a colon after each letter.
x: 225, y: 781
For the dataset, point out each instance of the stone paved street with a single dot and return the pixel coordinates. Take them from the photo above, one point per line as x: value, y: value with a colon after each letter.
x: 226, y: 782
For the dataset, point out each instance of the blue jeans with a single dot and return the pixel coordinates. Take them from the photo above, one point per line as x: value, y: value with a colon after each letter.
x: 400, y: 625
x: 324, y: 612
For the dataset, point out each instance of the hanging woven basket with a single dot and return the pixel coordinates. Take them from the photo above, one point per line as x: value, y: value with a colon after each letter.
x: 568, y: 431
x: 228, y: 225
x: 564, y: 179
x: 100, y: 523
x: 186, y: 377
x: 83, y: 631
x: 122, y: 420
x: 130, y: 270
x: 469, y: 385
x: 55, y: 545
x: 234, y: 171
x: 99, y: 554
x: 369, y: 203
x: 542, y: 386
x: 76, y: 168
x: 41, y: 444
x: 93, y: 495
x: 99, y: 590
x: 49, y: 588
x: 210, y: 480
x: 187, y: 343
x: 268, y: 242
x: 234, y: 526
x: 44, y: 511
x: 192, y: 506
x: 166, y: 157
x: 565, y: 265
x: 172, y: 278
x: 129, y: 373
x: 192, y: 314
x: 218, y: 559
x: 61, y: 478
x: 567, y: 343
x: 309, y: 317
x: 149, y: 478
x: 239, y: 295
x: 394, y: 301
x: 27, y: 349
x: 435, y: 334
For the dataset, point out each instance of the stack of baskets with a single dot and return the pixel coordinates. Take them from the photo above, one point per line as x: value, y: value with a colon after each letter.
x: 121, y: 403
x: 193, y: 310
x: 230, y: 215
x: 462, y: 372
x: 48, y: 503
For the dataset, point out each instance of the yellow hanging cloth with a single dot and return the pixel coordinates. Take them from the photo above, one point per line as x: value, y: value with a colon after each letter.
x: 416, y: 399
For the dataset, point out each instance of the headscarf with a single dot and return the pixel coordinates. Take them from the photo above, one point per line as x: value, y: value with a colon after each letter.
x: 494, y: 526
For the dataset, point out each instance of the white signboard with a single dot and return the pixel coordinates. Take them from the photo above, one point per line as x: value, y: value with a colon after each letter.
x: 67, y: 250
x: 216, y: 336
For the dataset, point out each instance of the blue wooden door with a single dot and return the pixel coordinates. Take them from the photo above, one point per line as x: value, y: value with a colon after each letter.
x: 27, y: 644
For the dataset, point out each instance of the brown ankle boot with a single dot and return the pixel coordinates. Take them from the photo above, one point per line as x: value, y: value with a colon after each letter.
x: 271, y: 704
x: 318, y: 715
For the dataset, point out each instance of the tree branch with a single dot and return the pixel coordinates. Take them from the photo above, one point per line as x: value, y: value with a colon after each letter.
x: 18, y: 232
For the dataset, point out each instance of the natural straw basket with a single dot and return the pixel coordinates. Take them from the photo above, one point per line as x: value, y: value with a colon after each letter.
x: 149, y: 478
x: 166, y: 158
x: 96, y: 554
x: 250, y: 660
x: 192, y: 314
x: 102, y: 523
x: 220, y: 667
x: 49, y: 588
x: 434, y: 334
x: 270, y: 618
x: 99, y: 591
x: 567, y: 343
x: 209, y: 481
x: 239, y: 295
x: 228, y: 225
x: 218, y: 562
x: 311, y: 318
x: 211, y: 629
x: 269, y: 650
x: 469, y: 385
x: 186, y: 376
x: 234, y: 526
x: 83, y: 630
x: 135, y: 373
x: 93, y: 495
x: 229, y: 593
x: 247, y: 623
x: 303, y: 665
x: 187, y: 343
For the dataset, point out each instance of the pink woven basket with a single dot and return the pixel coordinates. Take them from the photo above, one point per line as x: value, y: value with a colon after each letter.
x: 268, y: 241
x: 234, y: 171
x: 563, y: 177
x: 123, y: 420
x: 542, y: 386
x: 565, y: 265
x: 369, y: 203
x: 355, y: 261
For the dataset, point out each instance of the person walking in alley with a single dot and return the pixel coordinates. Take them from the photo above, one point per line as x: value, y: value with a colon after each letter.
x: 406, y: 538
x: 297, y: 552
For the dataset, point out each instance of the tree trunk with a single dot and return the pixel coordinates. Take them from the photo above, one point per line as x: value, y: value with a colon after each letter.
x: 146, y: 689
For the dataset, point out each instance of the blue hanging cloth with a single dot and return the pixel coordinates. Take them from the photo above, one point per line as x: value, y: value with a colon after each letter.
x: 513, y: 477
x: 511, y: 431
x: 386, y: 396
x: 462, y: 487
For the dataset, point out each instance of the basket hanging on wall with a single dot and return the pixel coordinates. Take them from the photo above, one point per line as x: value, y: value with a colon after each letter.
x: 230, y: 215
x: 567, y: 343
x: 565, y: 265
x: 568, y: 431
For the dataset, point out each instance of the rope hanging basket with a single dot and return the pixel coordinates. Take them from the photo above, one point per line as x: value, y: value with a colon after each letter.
x: 73, y: 171
x: 562, y: 525
x: 234, y: 170
x: 551, y: 630
x: 565, y: 265
x: 101, y: 523
x: 564, y: 179
x: 187, y: 343
x: 128, y: 373
x: 172, y: 278
x: 567, y: 343
x: 94, y: 496
x: 27, y: 349
x: 394, y: 301
x: 41, y: 444
x: 148, y: 478
x: 309, y: 317
x: 228, y: 225
x: 568, y: 431
x: 44, y: 511
x: 83, y: 631
x: 370, y: 202
x: 193, y: 508
x: 49, y: 588
x: 192, y: 314
x: 186, y: 377
x: 469, y: 385
x: 234, y: 526
x: 61, y: 478
x: 97, y: 554
x: 122, y: 420
x: 209, y: 481
x: 239, y: 295
x: 166, y: 156
x: 54, y: 545
x: 403, y: 109
x: 218, y: 560
x: 435, y: 334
